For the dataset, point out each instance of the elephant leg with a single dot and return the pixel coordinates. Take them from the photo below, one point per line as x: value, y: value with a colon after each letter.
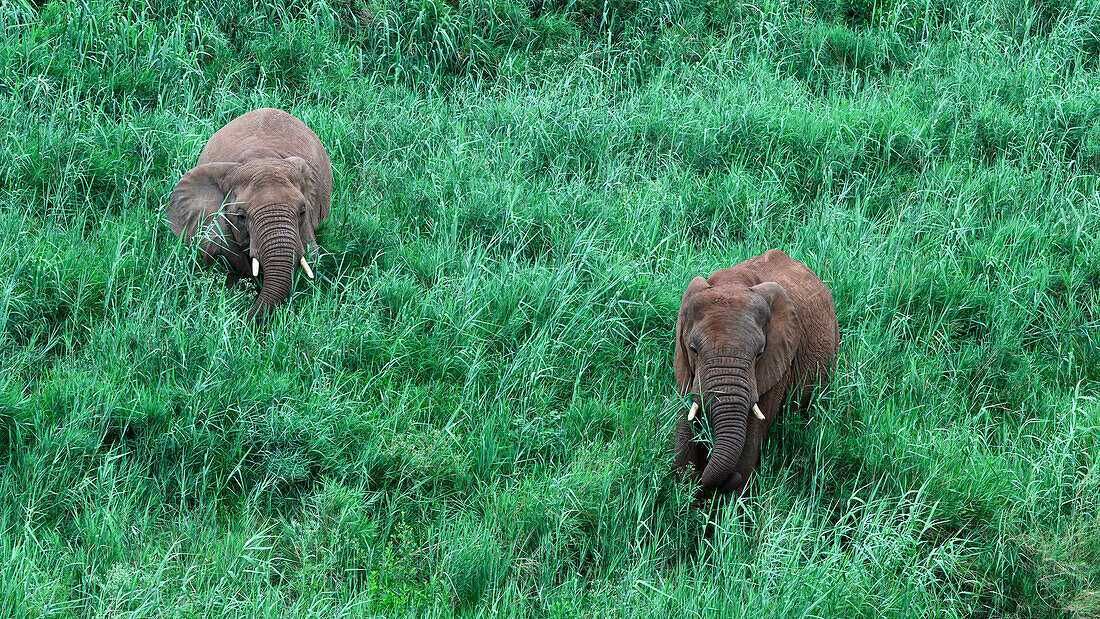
x: 802, y: 390
x: 233, y: 281
x: 687, y: 450
x: 801, y: 396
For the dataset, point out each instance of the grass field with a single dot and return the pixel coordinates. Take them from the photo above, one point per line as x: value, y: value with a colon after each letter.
x: 469, y: 412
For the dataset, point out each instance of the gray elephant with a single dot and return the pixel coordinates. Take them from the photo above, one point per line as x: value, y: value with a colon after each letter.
x: 746, y: 337
x: 260, y: 189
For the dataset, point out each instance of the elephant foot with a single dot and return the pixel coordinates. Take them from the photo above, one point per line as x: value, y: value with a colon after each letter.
x: 233, y: 281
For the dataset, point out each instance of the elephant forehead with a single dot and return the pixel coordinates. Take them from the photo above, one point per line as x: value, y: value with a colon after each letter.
x: 265, y: 176
x: 268, y: 188
x: 731, y: 326
x: 727, y: 301
x: 720, y: 322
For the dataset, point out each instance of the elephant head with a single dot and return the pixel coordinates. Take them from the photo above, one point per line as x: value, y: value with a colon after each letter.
x: 734, y: 343
x: 255, y: 214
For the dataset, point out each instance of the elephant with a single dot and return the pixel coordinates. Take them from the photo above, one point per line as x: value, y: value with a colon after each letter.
x: 746, y: 338
x: 259, y: 191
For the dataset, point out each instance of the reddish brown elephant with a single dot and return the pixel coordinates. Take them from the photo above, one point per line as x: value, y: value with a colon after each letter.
x: 260, y: 189
x: 746, y: 338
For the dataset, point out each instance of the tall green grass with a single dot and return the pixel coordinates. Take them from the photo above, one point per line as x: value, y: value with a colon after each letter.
x: 469, y: 412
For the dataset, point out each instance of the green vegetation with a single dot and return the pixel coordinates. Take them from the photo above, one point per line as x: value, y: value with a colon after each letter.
x: 470, y: 411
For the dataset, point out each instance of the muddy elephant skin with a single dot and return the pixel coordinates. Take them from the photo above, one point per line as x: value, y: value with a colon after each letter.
x: 746, y: 338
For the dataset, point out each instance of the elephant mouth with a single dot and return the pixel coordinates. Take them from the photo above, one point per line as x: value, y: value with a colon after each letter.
x: 719, y: 474
x: 301, y: 261
x: 733, y: 482
x: 695, y: 410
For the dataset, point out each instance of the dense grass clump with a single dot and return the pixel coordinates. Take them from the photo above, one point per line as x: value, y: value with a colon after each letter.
x: 469, y: 411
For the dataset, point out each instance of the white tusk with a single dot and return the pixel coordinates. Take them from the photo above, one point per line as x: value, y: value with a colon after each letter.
x: 756, y: 411
x: 255, y: 268
x: 691, y: 413
x: 305, y: 267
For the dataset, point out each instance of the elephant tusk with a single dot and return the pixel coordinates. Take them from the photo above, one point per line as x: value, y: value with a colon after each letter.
x: 305, y: 267
x: 756, y: 411
x: 691, y: 413
x: 255, y: 268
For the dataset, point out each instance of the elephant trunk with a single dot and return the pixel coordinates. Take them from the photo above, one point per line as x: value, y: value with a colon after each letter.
x: 277, y: 245
x: 727, y: 395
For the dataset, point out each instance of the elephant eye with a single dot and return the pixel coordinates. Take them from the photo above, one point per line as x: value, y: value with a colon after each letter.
x: 694, y: 351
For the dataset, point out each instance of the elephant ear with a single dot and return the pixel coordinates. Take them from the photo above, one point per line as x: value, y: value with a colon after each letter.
x: 781, y: 336
x: 682, y: 367
x: 196, y: 202
x: 316, y: 210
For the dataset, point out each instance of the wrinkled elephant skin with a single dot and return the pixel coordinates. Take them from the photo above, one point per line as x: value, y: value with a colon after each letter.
x: 747, y: 337
x: 259, y: 191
